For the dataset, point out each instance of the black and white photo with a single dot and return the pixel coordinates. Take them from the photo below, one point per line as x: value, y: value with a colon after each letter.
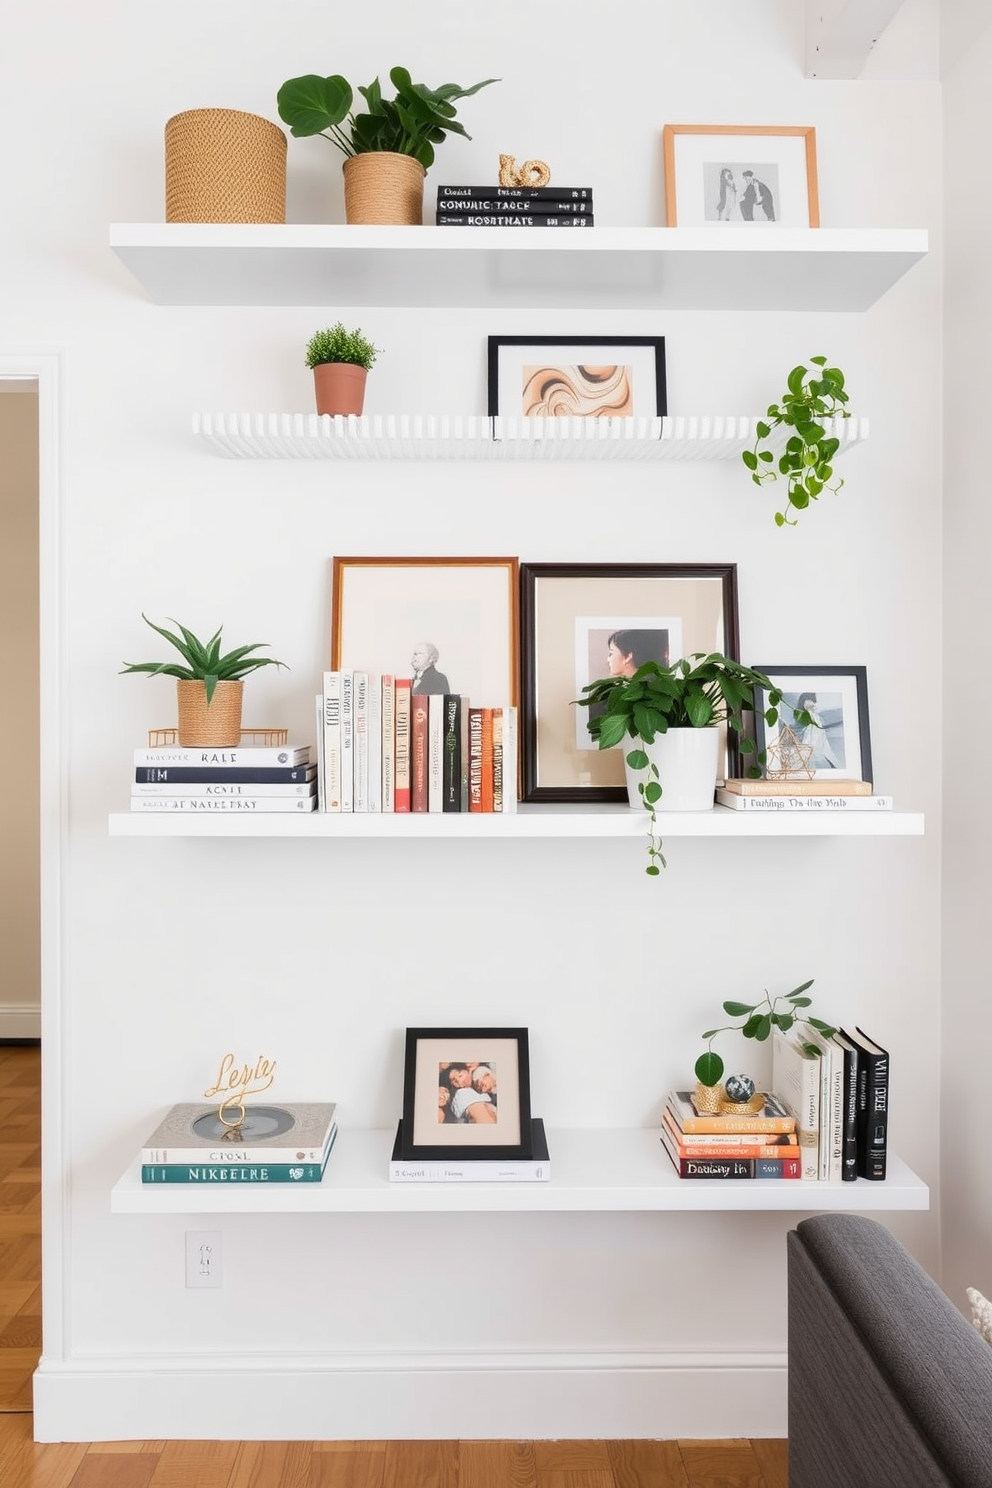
x: 757, y: 175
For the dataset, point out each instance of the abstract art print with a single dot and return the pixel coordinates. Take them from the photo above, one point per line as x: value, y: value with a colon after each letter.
x: 746, y: 175
x: 577, y: 376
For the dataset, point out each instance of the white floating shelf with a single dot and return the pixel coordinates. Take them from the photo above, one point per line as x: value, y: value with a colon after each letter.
x: 591, y: 1170
x: 540, y: 820
x: 309, y: 436
x: 721, y: 267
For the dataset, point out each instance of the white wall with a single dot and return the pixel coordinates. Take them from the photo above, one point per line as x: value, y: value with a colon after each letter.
x: 177, y: 950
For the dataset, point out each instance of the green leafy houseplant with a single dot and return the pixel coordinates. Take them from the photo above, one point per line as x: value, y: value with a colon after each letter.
x: 700, y: 691
x: 335, y: 344
x: 759, y: 1020
x: 202, y: 660
x: 806, y: 461
x: 411, y: 123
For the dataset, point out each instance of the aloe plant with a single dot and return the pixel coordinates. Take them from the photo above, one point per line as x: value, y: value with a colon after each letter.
x: 203, y: 659
x: 411, y: 123
x: 759, y: 1020
x: 806, y: 461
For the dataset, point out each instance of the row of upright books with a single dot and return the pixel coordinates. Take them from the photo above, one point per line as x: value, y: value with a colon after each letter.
x: 827, y: 1120
x: 382, y: 746
x: 514, y: 206
x: 246, y: 779
x: 819, y: 793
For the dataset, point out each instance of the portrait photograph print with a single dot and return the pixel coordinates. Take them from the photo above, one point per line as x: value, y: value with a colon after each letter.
x: 450, y: 624
x: 838, y: 745
x: 748, y: 175
x: 577, y: 376
x: 466, y: 1091
x: 581, y: 622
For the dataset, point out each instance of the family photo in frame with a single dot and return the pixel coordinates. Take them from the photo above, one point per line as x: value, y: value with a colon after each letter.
x: 837, y: 746
x: 466, y: 1091
x: 746, y: 175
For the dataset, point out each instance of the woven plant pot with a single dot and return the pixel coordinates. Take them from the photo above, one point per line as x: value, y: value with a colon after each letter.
x: 222, y: 165
x: 217, y: 726
x: 384, y: 188
x: 339, y: 387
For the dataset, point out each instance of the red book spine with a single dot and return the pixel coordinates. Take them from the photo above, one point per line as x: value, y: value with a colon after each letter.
x: 487, y: 759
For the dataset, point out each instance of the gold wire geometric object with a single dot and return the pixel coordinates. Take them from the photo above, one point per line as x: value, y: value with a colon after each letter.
x: 531, y: 173
x: 789, y: 758
x: 268, y: 737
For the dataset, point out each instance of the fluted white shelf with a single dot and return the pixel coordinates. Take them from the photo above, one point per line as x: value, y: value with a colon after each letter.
x: 309, y: 436
x: 591, y: 1170
x: 551, y: 819
x: 720, y: 267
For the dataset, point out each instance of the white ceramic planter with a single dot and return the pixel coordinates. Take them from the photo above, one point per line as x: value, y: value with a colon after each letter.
x: 687, y: 763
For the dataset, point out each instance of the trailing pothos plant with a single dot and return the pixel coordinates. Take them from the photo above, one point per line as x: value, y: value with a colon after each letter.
x: 700, y: 691
x: 759, y: 1020
x: 805, y: 463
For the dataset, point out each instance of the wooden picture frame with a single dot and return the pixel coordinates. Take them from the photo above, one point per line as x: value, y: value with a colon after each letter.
x: 842, y: 745
x: 449, y: 1110
x: 745, y: 175
x: 577, y: 376
x: 568, y: 614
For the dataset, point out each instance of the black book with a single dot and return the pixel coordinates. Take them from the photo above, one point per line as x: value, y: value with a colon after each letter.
x: 255, y: 775
x: 849, y: 1160
x: 456, y: 206
x: 873, y: 1105
x: 451, y: 774
x: 521, y: 193
x: 495, y: 219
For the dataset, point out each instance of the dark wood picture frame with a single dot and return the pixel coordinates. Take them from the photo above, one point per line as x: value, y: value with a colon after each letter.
x: 648, y: 351
x: 557, y: 735
x: 850, y: 684
x: 429, y: 1053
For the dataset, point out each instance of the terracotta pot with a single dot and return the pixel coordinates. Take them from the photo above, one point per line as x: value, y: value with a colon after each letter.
x: 217, y: 726
x: 339, y: 387
x: 687, y: 760
x: 385, y: 188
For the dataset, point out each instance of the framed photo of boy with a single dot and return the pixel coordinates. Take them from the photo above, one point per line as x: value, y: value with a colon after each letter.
x: 577, y: 376
x: 466, y: 1092
x: 450, y: 624
x: 837, y: 698
x: 749, y: 175
x: 583, y: 621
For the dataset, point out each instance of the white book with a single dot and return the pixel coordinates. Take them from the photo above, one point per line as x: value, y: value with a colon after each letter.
x: 231, y: 804
x: 255, y: 755
x: 388, y: 741
x: 332, y: 741
x: 461, y: 1169
x: 824, y: 804
x: 375, y: 743
x: 189, y: 1133
x: 510, y: 759
x: 321, y: 777
x: 831, y: 1103
x: 360, y: 686
x: 225, y: 788
x: 796, y: 1083
x: 435, y: 752
x: 347, y: 742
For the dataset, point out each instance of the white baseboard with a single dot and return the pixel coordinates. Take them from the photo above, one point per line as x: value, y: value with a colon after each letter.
x: 519, y: 1397
x: 20, y: 1020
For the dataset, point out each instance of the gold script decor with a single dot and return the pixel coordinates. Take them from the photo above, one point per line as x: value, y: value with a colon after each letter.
x: 531, y: 173
x: 235, y: 1082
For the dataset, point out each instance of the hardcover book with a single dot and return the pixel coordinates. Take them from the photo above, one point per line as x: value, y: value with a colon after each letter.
x: 264, y: 1171
x: 452, y: 769
x: 533, y: 206
x: 819, y: 786
x: 873, y: 1105
x: 192, y: 1132
x: 435, y: 752
x: 200, y: 775
x: 811, y: 802
x: 226, y: 788
x: 731, y: 1166
x: 360, y: 758
x: 419, y: 735
x: 772, y: 1118
x: 851, y: 1055
x: 332, y: 741
x: 375, y: 743
x: 219, y: 804
x: 347, y: 742
x: 477, y: 1169
x: 401, y: 792
x: 796, y: 1078
x: 388, y: 742
x: 524, y: 193
x: 252, y: 754
x: 493, y: 219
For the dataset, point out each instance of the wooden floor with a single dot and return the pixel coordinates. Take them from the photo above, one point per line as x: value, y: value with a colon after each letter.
x: 187, y: 1464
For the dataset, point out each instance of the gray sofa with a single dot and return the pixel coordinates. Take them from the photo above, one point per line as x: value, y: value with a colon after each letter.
x: 889, y: 1385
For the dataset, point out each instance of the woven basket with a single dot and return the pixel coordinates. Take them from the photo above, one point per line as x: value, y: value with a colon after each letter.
x: 384, y: 188
x: 215, y: 727
x: 222, y: 165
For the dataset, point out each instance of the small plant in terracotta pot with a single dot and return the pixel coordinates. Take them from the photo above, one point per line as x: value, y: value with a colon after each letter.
x: 209, y: 685
x: 341, y: 361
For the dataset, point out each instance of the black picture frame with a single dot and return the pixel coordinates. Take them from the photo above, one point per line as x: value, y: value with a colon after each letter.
x: 846, y: 733
x: 557, y: 603
x: 429, y: 1054
x: 645, y: 367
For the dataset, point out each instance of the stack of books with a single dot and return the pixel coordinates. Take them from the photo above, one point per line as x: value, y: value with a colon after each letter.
x: 275, y: 1144
x: 246, y: 779
x: 382, y: 747
x: 818, y: 794
x: 837, y: 1089
x: 474, y: 1167
x: 703, y: 1145
x: 514, y: 206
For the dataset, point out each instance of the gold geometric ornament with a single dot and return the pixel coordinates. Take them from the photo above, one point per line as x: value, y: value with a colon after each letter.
x: 789, y: 758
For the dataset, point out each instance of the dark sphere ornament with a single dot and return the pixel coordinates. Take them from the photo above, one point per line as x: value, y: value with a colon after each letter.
x: 739, y: 1088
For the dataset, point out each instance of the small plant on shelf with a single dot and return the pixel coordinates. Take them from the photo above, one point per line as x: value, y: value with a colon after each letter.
x: 805, y: 463
x: 759, y: 1019
x: 336, y: 344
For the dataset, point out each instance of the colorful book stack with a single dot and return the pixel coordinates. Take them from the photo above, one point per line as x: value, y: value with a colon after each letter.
x: 819, y: 794
x: 253, y: 778
x: 514, y: 206
x: 382, y: 746
x: 704, y: 1145
x: 274, y: 1144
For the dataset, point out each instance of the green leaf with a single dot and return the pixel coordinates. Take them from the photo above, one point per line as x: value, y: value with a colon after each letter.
x: 783, y: 1021
x: 637, y: 759
x: 709, y: 1068
x: 801, y: 1001
x: 750, y: 1027
x: 798, y: 991
x: 762, y: 430
x: 794, y: 381
x: 750, y: 459
x: 737, y: 1010
x: 312, y: 104
x: 611, y: 731
x: 652, y: 792
x: 763, y: 1028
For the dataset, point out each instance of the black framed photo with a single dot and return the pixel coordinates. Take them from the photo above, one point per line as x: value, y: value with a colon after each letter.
x: 577, y: 376
x: 466, y: 1093
x: 838, y: 746
x: 583, y: 621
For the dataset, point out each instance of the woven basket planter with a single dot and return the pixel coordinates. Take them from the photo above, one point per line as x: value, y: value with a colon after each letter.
x: 222, y: 165
x: 384, y: 188
x: 339, y: 387
x: 217, y: 726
